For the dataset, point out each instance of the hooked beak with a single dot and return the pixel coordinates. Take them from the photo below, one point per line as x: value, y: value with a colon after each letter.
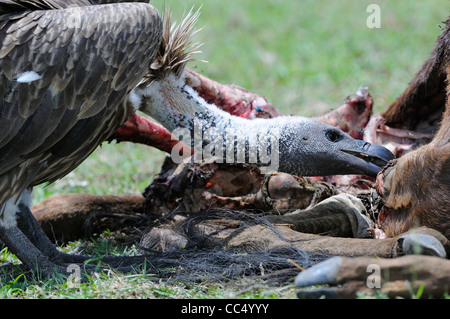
x: 375, y: 156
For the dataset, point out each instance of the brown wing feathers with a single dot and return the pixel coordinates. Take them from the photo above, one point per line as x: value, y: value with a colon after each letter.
x: 85, y: 60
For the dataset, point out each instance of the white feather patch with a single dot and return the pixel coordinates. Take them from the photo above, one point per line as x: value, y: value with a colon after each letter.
x: 9, y: 209
x: 28, y: 76
x: 135, y: 99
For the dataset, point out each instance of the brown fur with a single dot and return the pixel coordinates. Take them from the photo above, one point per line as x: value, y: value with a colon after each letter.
x: 71, y: 216
x: 417, y: 188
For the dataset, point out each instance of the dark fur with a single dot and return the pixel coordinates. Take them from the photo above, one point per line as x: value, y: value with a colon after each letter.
x: 417, y: 188
x: 426, y: 93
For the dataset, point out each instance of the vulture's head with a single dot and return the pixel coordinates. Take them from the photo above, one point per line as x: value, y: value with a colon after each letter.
x: 316, y: 148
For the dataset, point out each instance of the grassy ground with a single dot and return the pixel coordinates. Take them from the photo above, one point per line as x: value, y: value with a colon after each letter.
x: 303, y: 56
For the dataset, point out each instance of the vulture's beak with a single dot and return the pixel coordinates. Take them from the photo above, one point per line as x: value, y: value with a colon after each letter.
x: 375, y: 156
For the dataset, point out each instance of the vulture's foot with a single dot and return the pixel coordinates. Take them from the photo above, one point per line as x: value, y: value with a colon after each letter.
x: 341, y: 215
x: 30, y: 244
x: 28, y: 253
x: 410, y: 276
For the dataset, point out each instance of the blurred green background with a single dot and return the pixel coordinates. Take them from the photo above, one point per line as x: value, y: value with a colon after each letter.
x: 305, y: 57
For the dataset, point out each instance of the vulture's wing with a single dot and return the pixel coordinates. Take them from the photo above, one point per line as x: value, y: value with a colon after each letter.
x: 10, y: 6
x: 64, y: 77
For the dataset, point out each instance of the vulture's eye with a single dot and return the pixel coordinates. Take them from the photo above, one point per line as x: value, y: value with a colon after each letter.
x: 333, y: 136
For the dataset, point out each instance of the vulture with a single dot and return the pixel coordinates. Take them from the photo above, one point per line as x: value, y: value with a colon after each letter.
x: 73, y: 71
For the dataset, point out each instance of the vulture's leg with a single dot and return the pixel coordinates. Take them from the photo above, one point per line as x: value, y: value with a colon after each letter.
x: 26, y: 242
x: 31, y: 245
x: 23, y: 248
x: 341, y: 215
x: 397, y: 277
x: 42, y: 249
x: 30, y: 227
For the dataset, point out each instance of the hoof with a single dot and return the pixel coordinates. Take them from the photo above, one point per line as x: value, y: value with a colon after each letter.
x: 422, y: 244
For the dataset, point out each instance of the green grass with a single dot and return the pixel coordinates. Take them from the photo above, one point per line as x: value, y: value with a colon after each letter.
x: 299, y: 53
x: 137, y: 286
x: 305, y: 57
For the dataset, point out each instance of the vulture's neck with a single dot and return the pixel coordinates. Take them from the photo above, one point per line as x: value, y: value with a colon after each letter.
x: 206, y: 128
x: 175, y: 104
x: 290, y: 144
